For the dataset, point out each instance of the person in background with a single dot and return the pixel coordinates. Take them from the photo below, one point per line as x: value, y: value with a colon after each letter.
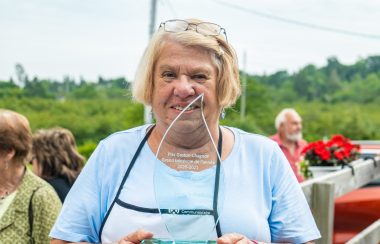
x: 56, y: 159
x: 28, y: 205
x: 289, y: 137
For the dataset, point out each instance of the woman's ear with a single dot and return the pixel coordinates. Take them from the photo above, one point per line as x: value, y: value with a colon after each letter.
x: 10, y: 155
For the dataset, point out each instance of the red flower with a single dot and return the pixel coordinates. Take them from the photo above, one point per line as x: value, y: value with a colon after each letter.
x: 325, y: 155
x: 346, y: 152
x: 339, y: 155
x: 337, y: 140
x: 322, y: 152
x: 333, y: 152
x: 308, y: 147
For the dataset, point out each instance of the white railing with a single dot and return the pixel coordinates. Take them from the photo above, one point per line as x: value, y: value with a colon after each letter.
x: 321, y: 193
x: 370, y: 235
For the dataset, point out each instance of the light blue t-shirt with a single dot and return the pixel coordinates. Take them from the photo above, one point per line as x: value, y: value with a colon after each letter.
x: 262, y: 198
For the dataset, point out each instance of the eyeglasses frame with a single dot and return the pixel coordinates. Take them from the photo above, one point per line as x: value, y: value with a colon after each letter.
x: 221, y: 31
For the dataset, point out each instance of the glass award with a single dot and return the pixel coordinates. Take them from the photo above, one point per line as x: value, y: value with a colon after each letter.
x: 188, y: 178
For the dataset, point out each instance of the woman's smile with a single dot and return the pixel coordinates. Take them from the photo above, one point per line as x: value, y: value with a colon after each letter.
x: 180, y: 108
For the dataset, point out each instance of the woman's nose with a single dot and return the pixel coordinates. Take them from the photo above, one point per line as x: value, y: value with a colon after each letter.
x: 183, y: 87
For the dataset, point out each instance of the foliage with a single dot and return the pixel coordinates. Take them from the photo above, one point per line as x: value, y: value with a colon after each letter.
x: 334, y: 99
x: 304, y: 169
x: 87, y: 148
x: 333, y: 83
x: 90, y: 120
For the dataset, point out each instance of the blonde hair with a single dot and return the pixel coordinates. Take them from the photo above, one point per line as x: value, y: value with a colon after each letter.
x: 222, y: 54
x: 15, y: 134
x: 56, y: 153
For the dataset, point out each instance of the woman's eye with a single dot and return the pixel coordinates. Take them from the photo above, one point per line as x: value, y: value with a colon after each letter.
x: 168, y: 75
x: 199, y: 77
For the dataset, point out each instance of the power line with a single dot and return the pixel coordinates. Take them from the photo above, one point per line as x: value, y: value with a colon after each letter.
x: 299, y: 23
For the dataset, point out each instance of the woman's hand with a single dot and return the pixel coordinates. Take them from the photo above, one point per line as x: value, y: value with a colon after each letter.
x: 136, y: 237
x: 234, y: 238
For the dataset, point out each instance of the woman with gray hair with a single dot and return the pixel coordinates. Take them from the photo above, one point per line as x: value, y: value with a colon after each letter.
x: 189, y: 75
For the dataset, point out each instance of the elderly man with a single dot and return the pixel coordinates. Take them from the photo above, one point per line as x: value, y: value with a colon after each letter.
x: 289, y: 137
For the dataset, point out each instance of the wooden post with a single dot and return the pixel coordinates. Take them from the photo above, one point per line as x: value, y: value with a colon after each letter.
x: 323, y: 210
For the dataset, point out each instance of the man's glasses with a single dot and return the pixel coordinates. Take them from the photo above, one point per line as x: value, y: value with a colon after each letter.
x: 204, y: 28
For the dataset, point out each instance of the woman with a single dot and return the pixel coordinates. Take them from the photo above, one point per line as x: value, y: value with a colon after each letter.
x: 113, y: 198
x: 56, y: 159
x: 28, y: 205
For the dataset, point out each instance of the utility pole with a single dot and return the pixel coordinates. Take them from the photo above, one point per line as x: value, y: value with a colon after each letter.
x: 244, y: 87
x: 148, y: 118
x: 153, y: 9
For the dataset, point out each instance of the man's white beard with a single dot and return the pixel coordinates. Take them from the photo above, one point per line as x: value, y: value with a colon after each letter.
x: 294, y: 137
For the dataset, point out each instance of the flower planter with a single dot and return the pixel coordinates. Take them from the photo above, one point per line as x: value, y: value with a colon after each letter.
x: 319, y: 171
x: 337, y: 151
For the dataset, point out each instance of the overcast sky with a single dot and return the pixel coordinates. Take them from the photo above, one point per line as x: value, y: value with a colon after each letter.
x: 91, y: 38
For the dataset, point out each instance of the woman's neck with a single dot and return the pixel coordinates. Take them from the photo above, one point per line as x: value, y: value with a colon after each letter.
x: 10, y: 178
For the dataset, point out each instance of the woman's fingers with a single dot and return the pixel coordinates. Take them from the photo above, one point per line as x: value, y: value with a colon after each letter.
x: 233, y: 238
x: 139, y: 235
x: 136, y: 237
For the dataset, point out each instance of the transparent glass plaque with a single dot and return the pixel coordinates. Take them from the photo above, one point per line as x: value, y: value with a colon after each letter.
x: 188, y: 177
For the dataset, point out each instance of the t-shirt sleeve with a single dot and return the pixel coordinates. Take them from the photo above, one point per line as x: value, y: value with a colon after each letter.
x: 80, y: 217
x: 290, y: 219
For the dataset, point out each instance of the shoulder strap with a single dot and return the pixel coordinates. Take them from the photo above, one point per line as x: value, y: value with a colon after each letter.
x: 132, y: 163
x: 216, y: 189
x: 30, y: 214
